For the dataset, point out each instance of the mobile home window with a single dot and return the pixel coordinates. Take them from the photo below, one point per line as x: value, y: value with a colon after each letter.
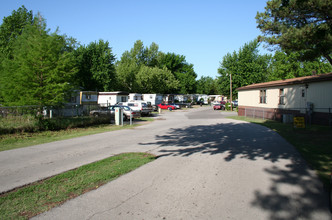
x: 262, y: 96
x: 73, y: 99
x: 281, y: 97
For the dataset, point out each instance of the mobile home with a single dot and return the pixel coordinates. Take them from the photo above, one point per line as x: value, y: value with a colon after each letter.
x: 309, y: 96
x: 112, y: 98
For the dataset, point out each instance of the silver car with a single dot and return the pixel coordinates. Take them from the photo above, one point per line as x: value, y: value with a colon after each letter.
x: 126, y: 112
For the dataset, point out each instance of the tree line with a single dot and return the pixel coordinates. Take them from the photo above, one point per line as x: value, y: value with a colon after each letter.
x: 41, y: 68
x: 38, y: 67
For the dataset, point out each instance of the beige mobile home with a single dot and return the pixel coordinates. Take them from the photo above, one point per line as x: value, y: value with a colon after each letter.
x: 309, y: 96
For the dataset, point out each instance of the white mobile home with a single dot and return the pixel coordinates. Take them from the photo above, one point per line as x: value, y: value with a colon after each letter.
x: 181, y: 98
x: 135, y: 97
x: 168, y: 98
x: 309, y: 96
x: 154, y: 99
x: 217, y: 98
x: 112, y: 98
x: 191, y: 98
x: 202, y: 97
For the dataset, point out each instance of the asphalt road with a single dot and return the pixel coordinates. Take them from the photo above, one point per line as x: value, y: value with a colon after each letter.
x: 208, y: 167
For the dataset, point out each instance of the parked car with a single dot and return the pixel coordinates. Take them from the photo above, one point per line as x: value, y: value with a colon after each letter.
x: 126, y: 112
x: 175, y: 105
x: 102, y: 112
x: 184, y: 105
x: 139, y: 106
x: 166, y: 106
x: 235, y: 103
x: 150, y: 107
x: 218, y: 107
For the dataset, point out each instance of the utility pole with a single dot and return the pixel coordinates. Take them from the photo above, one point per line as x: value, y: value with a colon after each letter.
x: 230, y: 81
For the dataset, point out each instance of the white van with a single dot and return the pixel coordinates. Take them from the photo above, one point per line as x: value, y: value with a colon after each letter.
x: 138, y: 105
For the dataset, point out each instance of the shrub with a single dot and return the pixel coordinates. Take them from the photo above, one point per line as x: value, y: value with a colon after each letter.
x: 228, y: 106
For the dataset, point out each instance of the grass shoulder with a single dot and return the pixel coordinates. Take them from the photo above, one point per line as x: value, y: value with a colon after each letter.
x: 314, y: 143
x: 31, y: 200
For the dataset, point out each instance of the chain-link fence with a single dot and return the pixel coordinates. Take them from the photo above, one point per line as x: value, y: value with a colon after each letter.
x: 33, y: 118
x: 321, y: 116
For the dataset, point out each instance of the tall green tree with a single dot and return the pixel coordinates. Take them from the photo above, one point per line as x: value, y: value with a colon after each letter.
x: 152, y: 55
x: 128, y: 67
x: 40, y: 70
x: 134, y: 62
x: 126, y: 71
x: 183, y: 71
x: 156, y: 80
x: 287, y: 66
x: 303, y: 26
x: 96, y: 64
x: 131, y: 63
x: 206, y: 85
x: 12, y: 26
x: 246, y: 66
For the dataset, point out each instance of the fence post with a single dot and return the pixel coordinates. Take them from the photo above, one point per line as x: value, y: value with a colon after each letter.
x: 263, y: 114
x: 330, y: 118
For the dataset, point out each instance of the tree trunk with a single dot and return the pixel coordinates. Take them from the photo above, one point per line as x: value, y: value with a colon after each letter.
x: 328, y: 57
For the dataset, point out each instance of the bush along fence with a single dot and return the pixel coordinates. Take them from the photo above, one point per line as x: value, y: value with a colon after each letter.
x: 320, y: 116
x: 36, y: 118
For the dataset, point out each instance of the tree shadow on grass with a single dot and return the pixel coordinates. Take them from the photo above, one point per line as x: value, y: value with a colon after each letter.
x: 253, y: 142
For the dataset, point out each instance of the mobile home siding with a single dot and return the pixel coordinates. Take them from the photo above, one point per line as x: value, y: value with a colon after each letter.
x: 317, y: 93
x: 321, y: 95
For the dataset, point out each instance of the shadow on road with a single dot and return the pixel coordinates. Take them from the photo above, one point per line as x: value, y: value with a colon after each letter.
x: 253, y: 142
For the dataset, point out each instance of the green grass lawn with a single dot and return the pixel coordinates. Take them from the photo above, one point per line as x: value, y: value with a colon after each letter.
x: 39, y: 197
x: 314, y: 143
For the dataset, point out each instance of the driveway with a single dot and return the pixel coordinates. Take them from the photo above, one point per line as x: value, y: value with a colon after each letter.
x: 208, y: 167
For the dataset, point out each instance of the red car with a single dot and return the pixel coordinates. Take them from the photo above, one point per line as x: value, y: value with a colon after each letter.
x: 166, y: 106
x: 219, y: 107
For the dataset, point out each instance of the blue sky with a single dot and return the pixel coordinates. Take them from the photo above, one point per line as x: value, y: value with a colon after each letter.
x: 202, y: 31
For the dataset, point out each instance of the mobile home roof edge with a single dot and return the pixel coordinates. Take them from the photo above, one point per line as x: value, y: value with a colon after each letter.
x: 294, y: 81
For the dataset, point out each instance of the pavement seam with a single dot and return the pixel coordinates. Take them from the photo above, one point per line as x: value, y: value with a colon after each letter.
x: 123, y: 202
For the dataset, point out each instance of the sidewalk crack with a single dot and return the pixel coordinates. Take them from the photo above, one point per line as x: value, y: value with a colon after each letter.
x: 122, y: 202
